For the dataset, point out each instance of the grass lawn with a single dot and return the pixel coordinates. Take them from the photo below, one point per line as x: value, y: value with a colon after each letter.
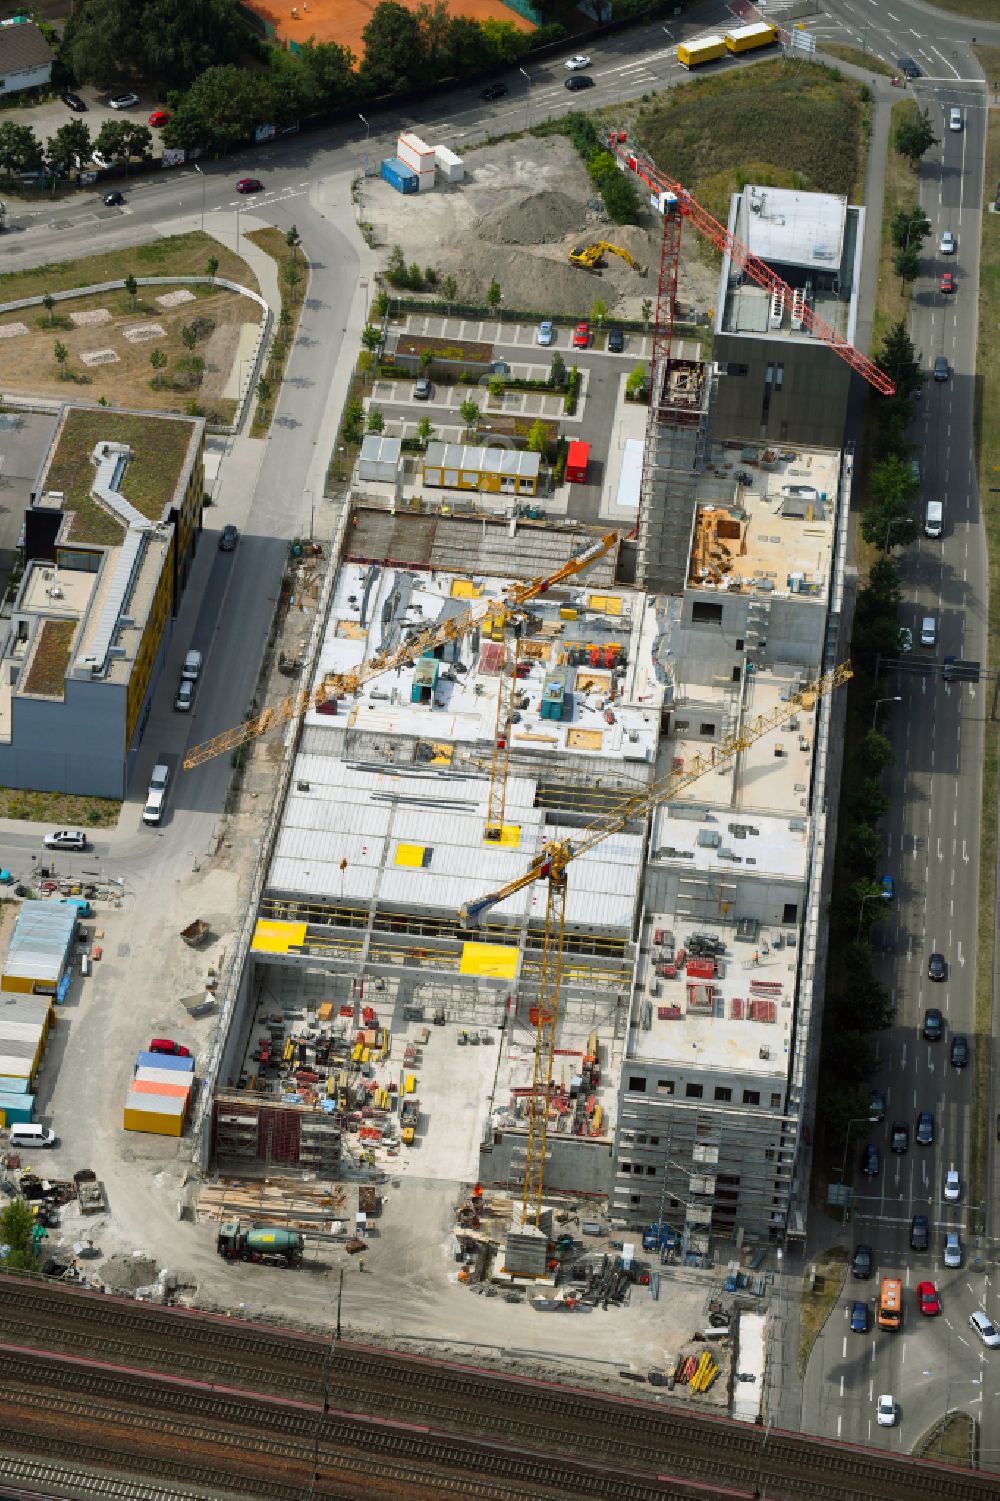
x: 866, y: 60
x: 778, y: 124
x: 160, y: 446
x: 831, y: 1272
x: 987, y: 440
x: 976, y: 10
x: 902, y: 190
x: 292, y: 297
x: 952, y: 1441
x: 175, y: 255
x: 60, y: 810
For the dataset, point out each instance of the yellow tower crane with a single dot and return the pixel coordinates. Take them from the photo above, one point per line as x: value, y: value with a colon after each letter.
x: 509, y: 614
x: 551, y: 866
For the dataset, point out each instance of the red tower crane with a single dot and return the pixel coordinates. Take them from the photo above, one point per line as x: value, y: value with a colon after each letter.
x: 677, y: 205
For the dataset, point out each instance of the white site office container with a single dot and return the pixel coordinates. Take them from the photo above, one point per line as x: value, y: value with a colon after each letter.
x: 415, y: 152
x: 450, y: 167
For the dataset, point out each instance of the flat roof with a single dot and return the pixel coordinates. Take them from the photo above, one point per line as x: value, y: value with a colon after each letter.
x: 713, y: 841
x: 790, y: 227
x: 581, y: 633
x: 481, y: 459
x: 739, y: 1021
x: 417, y: 839
x: 41, y: 941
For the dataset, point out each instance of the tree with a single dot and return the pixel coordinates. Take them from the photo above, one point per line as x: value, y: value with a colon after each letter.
x: 864, y: 848
x: 892, y: 479
x: 292, y: 275
x: 621, y: 200
x: 647, y: 311
x: 158, y: 360
x: 899, y: 361
x: 496, y: 386
x: 914, y: 137
x: 883, y: 586
x: 264, y: 391
x: 495, y: 295
x: 469, y: 413
x: 328, y: 74
x: 876, y: 752
x: 425, y: 430
x: 17, y: 1224
x: 376, y: 421
x: 222, y: 107
x: 426, y: 359
x: 188, y: 338
x: 102, y: 41
x: 120, y: 139
x: 449, y: 290
x: 20, y: 150
x: 371, y: 337
x: 293, y: 240
x: 906, y: 263
x: 395, y: 55
x: 48, y: 303
x: 181, y: 38
x: 62, y: 355
x: 869, y: 803
x: 889, y: 524
x: 212, y: 265
x: 598, y: 311
x: 909, y: 226
x: 69, y: 146
x: 557, y: 371
x: 132, y: 288
x: 538, y: 437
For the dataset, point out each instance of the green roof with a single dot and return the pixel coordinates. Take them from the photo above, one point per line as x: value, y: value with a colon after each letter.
x: 51, y: 658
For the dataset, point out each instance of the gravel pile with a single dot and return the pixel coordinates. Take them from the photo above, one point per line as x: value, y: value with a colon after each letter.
x: 538, y: 219
x: 126, y: 1274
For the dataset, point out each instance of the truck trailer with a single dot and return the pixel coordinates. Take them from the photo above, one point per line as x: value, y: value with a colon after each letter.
x: 704, y: 49
x: 747, y: 38
x: 270, y: 1244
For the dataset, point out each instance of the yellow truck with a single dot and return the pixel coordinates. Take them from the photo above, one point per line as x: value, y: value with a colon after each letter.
x: 747, y: 38
x: 706, y: 49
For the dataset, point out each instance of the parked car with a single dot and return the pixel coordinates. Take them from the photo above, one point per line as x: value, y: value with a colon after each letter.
x: 249, y: 185
x: 228, y: 538
x: 876, y: 1105
x: 952, y: 1185
x: 888, y: 888
x: 114, y: 199
x: 925, y: 1128
x: 74, y: 101
x: 948, y: 281
x: 422, y: 389
x: 616, y: 340
x: 981, y: 1325
x: 493, y: 91
x: 158, y: 117
x: 861, y: 1263
x: 952, y: 1249
x: 899, y: 1140
x: 920, y: 1233
x: 859, y: 1317
x: 959, y: 1051
x: 123, y: 101
x: 581, y: 60
x: 933, y: 1020
x: 185, y: 696
x: 905, y: 639
x: 579, y: 81
x: 66, y: 839
x: 886, y: 1412
x: 946, y: 244
x: 871, y: 1161
x: 167, y: 1045
x: 581, y: 336
x: 546, y: 333
x: 927, y: 1297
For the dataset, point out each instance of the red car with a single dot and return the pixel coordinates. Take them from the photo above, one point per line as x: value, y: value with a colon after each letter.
x: 581, y: 336
x: 165, y: 1045
x: 158, y: 117
x: 249, y: 185
x: 930, y: 1303
x: 948, y: 281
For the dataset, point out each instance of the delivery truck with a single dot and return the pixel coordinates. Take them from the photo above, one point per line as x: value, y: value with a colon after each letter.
x: 748, y: 38
x: 705, y: 49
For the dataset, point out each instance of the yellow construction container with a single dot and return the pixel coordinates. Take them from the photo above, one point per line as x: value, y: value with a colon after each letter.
x: 566, y: 612
x: 155, y: 1115
x: 408, y: 1136
x: 706, y: 49
x: 411, y: 1083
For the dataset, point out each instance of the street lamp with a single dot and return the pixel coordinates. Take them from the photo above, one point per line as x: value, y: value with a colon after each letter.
x: 893, y: 521
x: 858, y: 1120
x: 202, y: 176
x: 869, y: 897
x: 368, y: 131
x: 527, y: 97
x: 894, y: 698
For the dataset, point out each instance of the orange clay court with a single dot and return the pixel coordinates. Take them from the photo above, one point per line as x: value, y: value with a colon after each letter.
x: 343, y: 21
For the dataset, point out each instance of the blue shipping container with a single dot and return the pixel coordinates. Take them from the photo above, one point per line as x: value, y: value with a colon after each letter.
x: 399, y: 175
x: 165, y: 1060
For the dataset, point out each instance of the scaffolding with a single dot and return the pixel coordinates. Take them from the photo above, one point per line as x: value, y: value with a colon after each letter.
x: 677, y: 436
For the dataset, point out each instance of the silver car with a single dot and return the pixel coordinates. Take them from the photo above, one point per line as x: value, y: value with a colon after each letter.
x: 185, y: 695
x: 947, y: 244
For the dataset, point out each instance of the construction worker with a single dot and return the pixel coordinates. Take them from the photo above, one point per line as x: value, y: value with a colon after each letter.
x: 361, y: 1263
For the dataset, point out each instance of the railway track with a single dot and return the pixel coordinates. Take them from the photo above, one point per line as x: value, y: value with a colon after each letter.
x: 353, y: 1411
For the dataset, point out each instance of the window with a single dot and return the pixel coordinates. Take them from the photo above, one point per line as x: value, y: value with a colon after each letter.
x: 651, y: 1172
x: 790, y: 915
x: 779, y: 377
x: 737, y: 674
x: 751, y: 1097
x: 776, y: 1102
x: 635, y: 1198
x: 707, y: 728
x: 739, y: 643
x: 654, y: 1141
x: 681, y: 726
x: 624, y: 1167
x: 637, y: 1083
x: 693, y: 1091
x: 706, y: 612
x: 664, y: 1086
x: 723, y: 1093
x: 641, y: 1139
x: 734, y: 369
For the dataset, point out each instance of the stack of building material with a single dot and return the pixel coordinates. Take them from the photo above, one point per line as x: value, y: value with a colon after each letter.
x: 24, y: 1027
x: 419, y: 157
x: 160, y: 1094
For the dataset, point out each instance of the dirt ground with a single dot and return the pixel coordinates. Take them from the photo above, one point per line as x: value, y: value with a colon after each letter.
x: 525, y: 204
x: 343, y: 21
x: 29, y: 365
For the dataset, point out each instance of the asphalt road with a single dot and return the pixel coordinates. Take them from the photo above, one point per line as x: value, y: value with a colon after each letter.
x: 932, y: 830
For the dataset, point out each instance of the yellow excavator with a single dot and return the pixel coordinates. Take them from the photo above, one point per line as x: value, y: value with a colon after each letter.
x: 591, y: 257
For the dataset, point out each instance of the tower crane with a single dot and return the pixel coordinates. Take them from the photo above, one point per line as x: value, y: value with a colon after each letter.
x: 551, y: 866
x: 677, y: 204
x: 510, y: 611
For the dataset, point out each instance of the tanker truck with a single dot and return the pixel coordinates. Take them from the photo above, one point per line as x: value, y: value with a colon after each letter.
x: 269, y: 1244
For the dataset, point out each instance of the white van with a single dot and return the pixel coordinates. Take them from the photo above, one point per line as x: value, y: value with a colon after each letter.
x: 31, y: 1138
x: 155, y: 797
x: 980, y: 1324
x: 934, y: 518
x: 928, y: 631
x: 191, y: 671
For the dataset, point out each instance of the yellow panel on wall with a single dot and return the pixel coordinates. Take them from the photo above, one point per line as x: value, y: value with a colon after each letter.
x: 496, y: 961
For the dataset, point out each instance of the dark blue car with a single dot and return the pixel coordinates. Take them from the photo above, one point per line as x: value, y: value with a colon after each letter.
x: 859, y: 1318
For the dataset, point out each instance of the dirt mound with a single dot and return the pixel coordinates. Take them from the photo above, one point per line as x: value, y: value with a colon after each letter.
x: 537, y: 219
x: 126, y: 1274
